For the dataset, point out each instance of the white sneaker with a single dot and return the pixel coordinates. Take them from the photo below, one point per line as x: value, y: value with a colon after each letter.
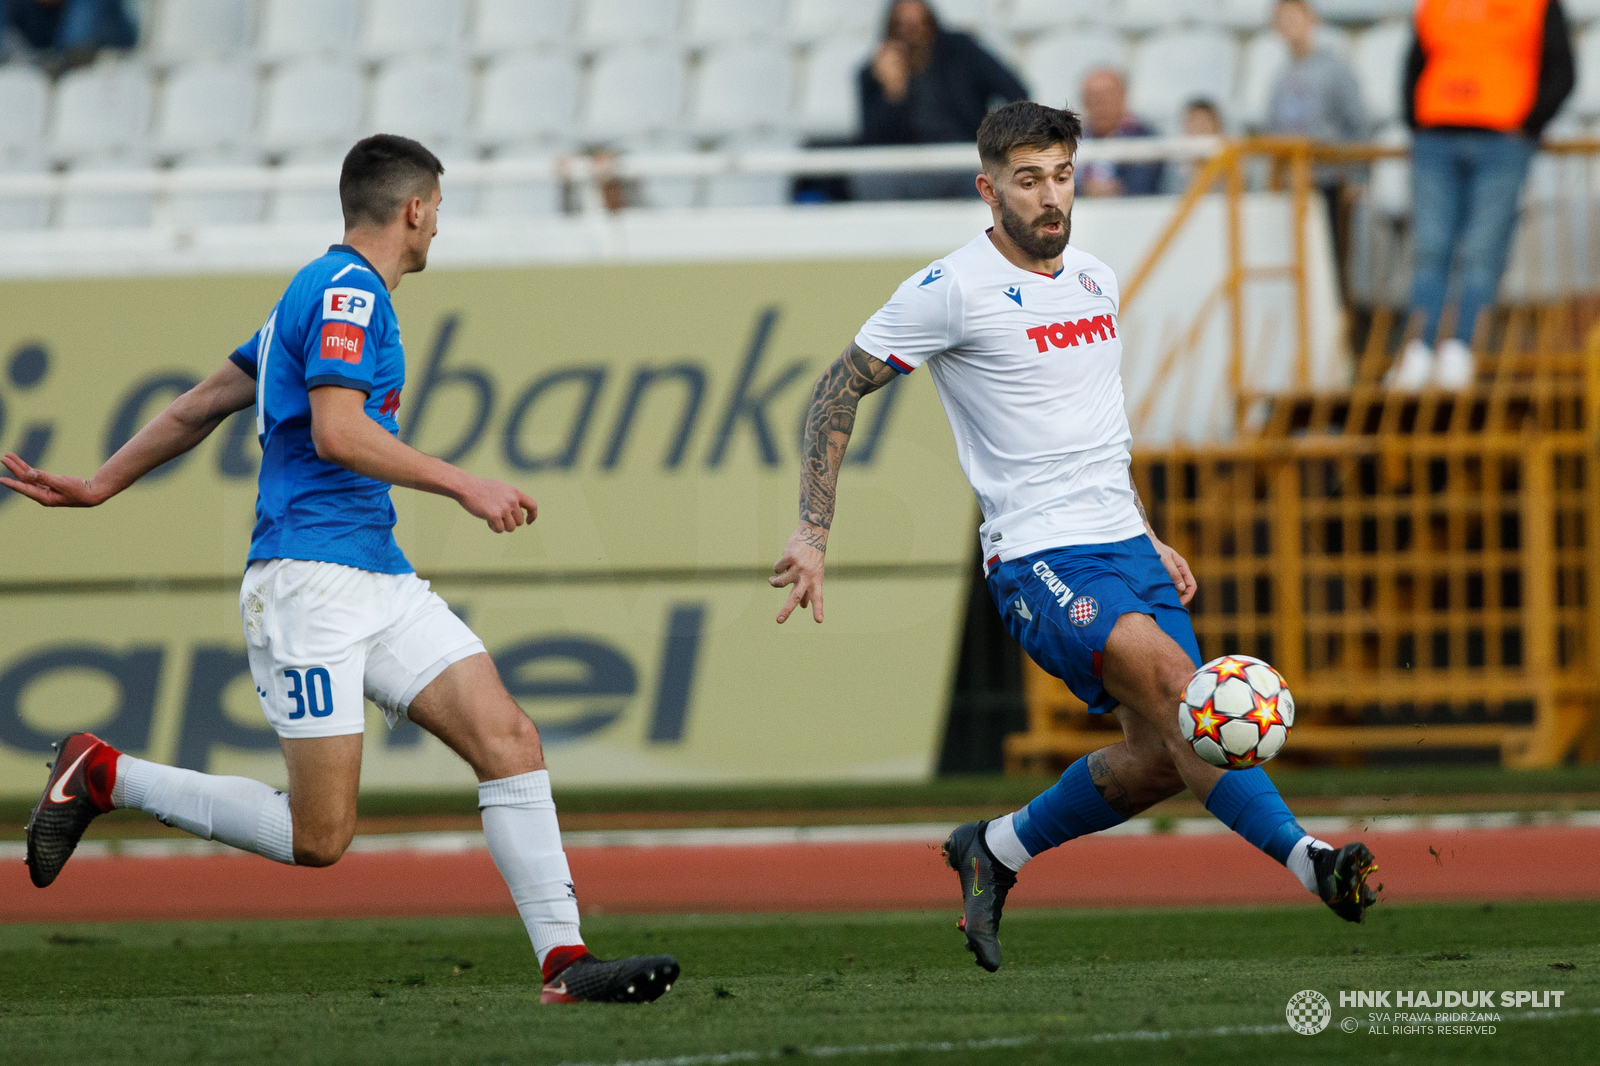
x: 1412, y: 370
x: 1453, y: 369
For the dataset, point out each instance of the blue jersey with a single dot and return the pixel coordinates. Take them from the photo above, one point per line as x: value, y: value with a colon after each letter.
x: 334, y: 325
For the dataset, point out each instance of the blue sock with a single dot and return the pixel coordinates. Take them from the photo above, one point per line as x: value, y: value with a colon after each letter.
x: 1072, y: 807
x: 1247, y: 802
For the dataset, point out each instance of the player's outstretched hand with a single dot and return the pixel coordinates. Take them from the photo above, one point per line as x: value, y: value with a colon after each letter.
x: 503, y: 506
x: 51, y: 490
x: 801, y: 566
x: 1178, y: 569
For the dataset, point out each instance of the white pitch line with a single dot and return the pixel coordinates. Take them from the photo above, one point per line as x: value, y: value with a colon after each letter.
x: 1115, y: 1037
x: 444, y: 843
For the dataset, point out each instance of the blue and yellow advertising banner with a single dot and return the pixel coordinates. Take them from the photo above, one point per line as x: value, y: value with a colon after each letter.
x: 653, y: 411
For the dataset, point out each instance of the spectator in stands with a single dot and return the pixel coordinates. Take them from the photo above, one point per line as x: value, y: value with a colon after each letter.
x: 927, y: 85
x: 1315, y: 95
x: 1481, y: 83
x: 1106, y: 114
x: 1201, y: 118
x: 67, y: 33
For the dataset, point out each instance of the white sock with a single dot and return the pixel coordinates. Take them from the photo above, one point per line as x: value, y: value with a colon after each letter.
x: 1001, y: 836
x: 519, y: 821
x: 239, y: 812
x: 1299, y: 862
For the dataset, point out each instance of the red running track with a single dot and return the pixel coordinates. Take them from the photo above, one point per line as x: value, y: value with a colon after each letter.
x: 1151, y: 871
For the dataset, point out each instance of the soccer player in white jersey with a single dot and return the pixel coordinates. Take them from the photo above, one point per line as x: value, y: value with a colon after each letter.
x: 1020, y: 333
x: 333, y: 613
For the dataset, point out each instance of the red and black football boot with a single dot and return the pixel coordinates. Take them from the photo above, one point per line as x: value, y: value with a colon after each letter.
x: 1342, y: 879
x: 78, y: 792
x: 572, y: 975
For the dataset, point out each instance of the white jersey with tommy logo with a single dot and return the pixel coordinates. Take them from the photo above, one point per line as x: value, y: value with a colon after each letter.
x: 1029, y: 369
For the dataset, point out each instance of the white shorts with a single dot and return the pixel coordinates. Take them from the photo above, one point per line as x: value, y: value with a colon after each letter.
x: 323, y: 638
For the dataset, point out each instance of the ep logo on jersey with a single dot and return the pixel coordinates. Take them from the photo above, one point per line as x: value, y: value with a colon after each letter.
x: 349, y: 305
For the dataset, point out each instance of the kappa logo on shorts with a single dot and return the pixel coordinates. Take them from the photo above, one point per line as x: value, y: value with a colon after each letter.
x: 1084, y: 610
x: 1057, y: 587
x: 351, y: 305
x: 1087, y: 282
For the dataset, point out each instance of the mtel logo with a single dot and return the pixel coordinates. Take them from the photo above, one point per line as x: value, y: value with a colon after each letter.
x: 343, y: 342
x: 1085, y: 330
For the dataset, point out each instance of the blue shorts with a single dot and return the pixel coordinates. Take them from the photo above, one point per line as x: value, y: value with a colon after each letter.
x: 1061, y: 603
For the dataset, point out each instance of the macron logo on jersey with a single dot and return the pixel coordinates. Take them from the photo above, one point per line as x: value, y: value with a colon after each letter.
x: 1064, y: 334
x: 350, y: 305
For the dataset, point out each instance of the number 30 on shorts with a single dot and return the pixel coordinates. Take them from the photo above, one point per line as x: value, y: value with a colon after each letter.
x: 313, y: 692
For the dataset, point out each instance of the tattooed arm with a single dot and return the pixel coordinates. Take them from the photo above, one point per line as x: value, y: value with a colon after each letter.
x: 829, y: 422
x: 1177, y: 566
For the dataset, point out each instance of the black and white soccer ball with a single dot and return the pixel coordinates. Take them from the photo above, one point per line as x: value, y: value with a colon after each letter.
x: 1236, y: 712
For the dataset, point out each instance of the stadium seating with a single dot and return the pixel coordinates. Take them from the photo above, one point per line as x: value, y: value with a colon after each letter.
x: 423, y: 97
x: 292, y: 28
x: 392, y: 27
x: 742, y: 87
x: 1378, y: 60
x: 814, y: 20
x: 107, y: 210
x: 525, y: 98
x: 828, y: 103
x: 21, y: 213
x: 210, y: 104
x: 1056, y: 64
x: 185, y: 29
x: 635, y: 89
x: 24, y: 98
x: 712, y: 21
x: 101, y: 111
x: 303, y: 107
x: 1264, y: 56
x: 1040, y: 16
x: 1149, y: 15
x: 1586, y: 96
x: 622, y: 21
x: 502, y: 25
x: 215, y: 207
x: 1176, y: 66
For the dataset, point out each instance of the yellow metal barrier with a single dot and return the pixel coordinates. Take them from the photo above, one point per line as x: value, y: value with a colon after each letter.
x: 1421, y: 568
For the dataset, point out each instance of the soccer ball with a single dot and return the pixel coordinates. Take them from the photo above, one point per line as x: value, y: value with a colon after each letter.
x: 1236, y: 712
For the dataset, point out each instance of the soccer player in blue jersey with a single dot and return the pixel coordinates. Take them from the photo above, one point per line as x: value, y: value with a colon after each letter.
x: 1019, y: 331
x: 333, y: 613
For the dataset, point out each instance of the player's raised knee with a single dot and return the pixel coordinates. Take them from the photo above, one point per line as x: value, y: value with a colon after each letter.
x: 320, y: 849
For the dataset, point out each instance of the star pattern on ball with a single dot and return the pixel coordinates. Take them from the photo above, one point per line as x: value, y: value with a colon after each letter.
x: 1207, y: 722
x: 1230, y: 667
x: 1242, y: 762
x: 1264, y: 713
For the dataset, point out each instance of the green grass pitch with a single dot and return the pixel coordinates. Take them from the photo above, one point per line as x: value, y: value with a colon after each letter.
x: 1085, y: 986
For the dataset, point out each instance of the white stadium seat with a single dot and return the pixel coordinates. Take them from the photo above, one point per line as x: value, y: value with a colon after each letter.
x: 101, y: 109
x: 1176, y: 66
x: 21, y: 213
x: 1264, y: 56
x: 526, y: 97
x: 1034, y: 16
x: 24, y: 97
x: 1246, y: 14
x: 395, y: 26
x: 742, y: 87
x: 965, y: 15
x: 752, y: 190
x: 111, y: 210
x: 1581, y: 10
x: 830, y: 104
x: 207, y: 105
x: 504, y: 25
x: 727, y: 20
x: 634, y: 90
x: 1363, y: 10
x: 607, y: 22
x: 1056, y: 64
x: 522, y: 197
x: 187, y: 29
x: 313, y: 103
x: 293, y: 28
x: 1379, y: 63
x: 425, y: 98
x: 816, y: 20
x: 1585, y: 99
x: 219, y: 207
x: 1160, y: 14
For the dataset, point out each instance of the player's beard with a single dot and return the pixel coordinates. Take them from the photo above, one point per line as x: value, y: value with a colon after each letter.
x: 1025, y: 234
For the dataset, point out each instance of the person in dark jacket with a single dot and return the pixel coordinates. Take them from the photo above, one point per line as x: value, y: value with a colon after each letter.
x: 68, y: 32
x: 1481, y: 83
x: 927, y: 85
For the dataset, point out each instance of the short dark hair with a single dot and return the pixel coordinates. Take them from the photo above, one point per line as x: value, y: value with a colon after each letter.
x: 1025, y: 124
x: 380, y: 174
x: 1203, y: 103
